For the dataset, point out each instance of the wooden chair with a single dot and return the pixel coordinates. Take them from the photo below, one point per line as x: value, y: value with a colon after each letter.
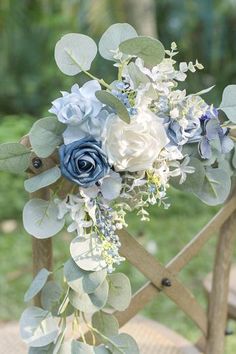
x: 152, y: 337
x: 207, y: 283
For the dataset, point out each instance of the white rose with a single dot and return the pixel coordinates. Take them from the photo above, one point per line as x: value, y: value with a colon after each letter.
x: 135, y: 146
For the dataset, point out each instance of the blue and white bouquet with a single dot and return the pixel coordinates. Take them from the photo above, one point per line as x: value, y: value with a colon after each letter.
x: 115, y: 147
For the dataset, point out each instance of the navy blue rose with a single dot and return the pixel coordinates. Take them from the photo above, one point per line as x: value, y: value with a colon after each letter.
x: 83, y: 162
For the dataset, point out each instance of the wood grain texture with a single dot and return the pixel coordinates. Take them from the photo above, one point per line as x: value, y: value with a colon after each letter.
x: 218, y: 301
x: 154, y: 271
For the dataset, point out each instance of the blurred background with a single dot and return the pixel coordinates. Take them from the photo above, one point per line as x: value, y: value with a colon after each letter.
x: 203, y: 30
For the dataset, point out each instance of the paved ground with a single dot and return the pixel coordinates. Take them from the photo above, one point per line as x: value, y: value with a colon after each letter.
x: 151, y: 337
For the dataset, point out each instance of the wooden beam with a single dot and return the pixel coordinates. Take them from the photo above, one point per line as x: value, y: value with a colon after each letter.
x: 218, y: 300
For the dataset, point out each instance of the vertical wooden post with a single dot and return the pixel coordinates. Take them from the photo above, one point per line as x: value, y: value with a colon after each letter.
x: 42, y: 254
x: 218, y: 300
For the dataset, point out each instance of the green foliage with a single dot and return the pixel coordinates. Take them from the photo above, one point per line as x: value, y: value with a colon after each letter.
x: 50, y: 297
x: 14, y: 157
x: 46, y: 135
x: 123, y: 343
x: 90, y: 303
x: 84, y: 257
x: 110, y: 100
x: 37, y: 327
x: 105, y: 323
x: 136, y: 75
x: 211, y: 185
x: 119, y: 291
x: 40, y: 218
x: 42, y: 180
x: 81, y: 280
x: 37, y: 284
x: 75, y: 53
x: 112, y: 38
x: 228, y: 104
x: 149, y: 49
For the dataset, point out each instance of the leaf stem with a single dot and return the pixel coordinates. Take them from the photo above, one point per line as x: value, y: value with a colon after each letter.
x: 101, y: 81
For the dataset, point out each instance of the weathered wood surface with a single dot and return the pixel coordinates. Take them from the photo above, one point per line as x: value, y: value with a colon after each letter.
x: 232, y: 290
x: 218, y: 301
x: 154, y: 271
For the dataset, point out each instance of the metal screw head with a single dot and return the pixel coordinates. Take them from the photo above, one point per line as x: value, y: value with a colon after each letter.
x: 37, y: 162
x: 166, y: 282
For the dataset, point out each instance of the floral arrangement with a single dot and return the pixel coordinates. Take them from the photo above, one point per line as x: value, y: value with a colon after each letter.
x: 114, y: 147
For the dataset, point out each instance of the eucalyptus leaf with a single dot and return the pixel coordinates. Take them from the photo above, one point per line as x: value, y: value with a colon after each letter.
x: 48, y: 349
x: 50, y: 297
x: 14, y: 157
x: 149, y: 49
x: 46, y: 135
x: 136, y: 75
x: 42, y: 180
x: 37, y: 284
x: 105, y: 323
x: 81, y: 280
x: 228, y: 103
x: 76, y: 347
x: 90, y: 303
x: 123, y: 344
x: 37, y: 327
x: 120, y: 293
x: 86, y: 254
x: 216, y: 186
x: 74, y: 53
x: 40, y: 218
x: 113, y: 102
x: 112, y: 38
x: 194, y: 181
x: 234, y: 158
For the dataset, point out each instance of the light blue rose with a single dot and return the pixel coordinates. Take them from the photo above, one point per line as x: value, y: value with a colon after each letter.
x: 83, y: 162
x: 74, y: 108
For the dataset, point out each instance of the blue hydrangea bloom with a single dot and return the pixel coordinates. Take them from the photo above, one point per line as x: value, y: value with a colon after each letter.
x: 123, y: 96
x: 213, y: 132
x: 75, y: 107
x: 83, y: 162
x: 179, y: 136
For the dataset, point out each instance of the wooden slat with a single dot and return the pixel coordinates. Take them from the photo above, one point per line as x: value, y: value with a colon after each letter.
x: 218, y: 301
x: 147, y: 294
x: 154, y: 271
x: 194, y: 246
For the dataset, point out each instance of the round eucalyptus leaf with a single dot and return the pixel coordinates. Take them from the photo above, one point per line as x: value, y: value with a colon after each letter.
x: 102, y: 349
x: 46, y: 135
x: 194, y: 181
x: 120, y: 293
x: 74, y: 53
x: 50, y: 297
x: 42, y: 180
x: 216, y: 186
x: 147, y: 48
x: 228, y: 103
x: 37, y: 327
x: 81, y: 280
x: 37, y: 284
x: 112, y: 38
x: 123, y: 344
x: 105, y: 323
x: 40, y: 218
x: 90, y: 303
x: 136, y: 75
x: 14, y: 157
x: 48, y: 349
x: 86, y: 253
